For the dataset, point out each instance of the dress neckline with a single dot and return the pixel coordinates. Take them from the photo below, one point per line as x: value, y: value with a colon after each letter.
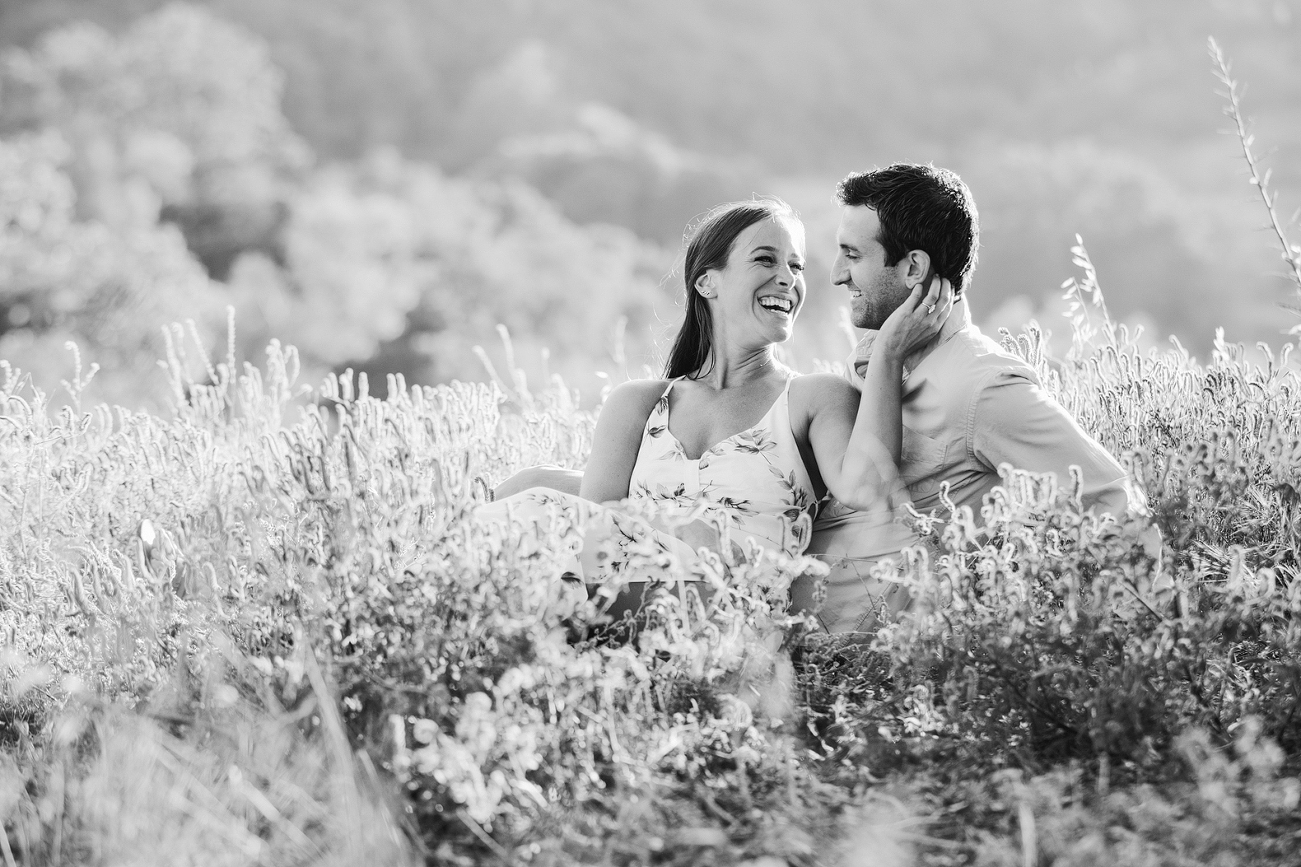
x: 665, y: 398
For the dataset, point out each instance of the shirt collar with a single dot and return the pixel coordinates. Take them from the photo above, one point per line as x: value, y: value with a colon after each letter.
x: 959, y: 319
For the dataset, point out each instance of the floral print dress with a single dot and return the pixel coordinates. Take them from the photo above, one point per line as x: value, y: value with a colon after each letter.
x: 753, y: 483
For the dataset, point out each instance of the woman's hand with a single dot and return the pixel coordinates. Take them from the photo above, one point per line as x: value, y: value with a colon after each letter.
x: 917, y: 320
x: 698, y: 534
x: 867, y: 474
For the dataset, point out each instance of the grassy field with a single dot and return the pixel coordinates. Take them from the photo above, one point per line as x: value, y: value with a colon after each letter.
x: 266, y: 629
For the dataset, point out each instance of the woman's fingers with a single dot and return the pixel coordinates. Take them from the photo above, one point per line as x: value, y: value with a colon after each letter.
x: 945, y: 296
x: 926, y: 298
x: 919, y: 318
x: 916, y: 298
x: 938, y: 300
x: 933, y: 292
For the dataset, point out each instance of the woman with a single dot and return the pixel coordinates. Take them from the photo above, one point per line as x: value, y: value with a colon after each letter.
x: 732, y: 433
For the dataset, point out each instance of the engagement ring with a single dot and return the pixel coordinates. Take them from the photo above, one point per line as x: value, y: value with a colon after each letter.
x: 930, y: 308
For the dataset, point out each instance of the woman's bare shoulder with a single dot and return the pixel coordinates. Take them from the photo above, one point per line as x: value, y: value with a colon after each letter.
x: 635, y: 396
x: 639, y: 389
x: 813, y: 390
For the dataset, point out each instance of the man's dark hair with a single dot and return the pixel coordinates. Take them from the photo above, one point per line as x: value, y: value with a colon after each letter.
x: 920, y: 208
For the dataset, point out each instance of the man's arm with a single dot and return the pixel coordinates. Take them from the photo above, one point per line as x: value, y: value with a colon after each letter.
x: 1014, y: 420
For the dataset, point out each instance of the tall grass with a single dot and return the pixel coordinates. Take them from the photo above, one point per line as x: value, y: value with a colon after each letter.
x: 268, y: 629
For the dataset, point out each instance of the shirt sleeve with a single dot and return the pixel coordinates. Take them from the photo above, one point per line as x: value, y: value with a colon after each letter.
x: 856, y: 363
x: 1014, y: 420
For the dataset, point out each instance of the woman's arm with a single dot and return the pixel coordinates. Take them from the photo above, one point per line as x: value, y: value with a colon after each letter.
x: 617, y: 439
x: 858, y: 449
x: 555, y: 478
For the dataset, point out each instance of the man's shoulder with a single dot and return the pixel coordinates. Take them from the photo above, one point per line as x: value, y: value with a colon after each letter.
x: 971, y: 357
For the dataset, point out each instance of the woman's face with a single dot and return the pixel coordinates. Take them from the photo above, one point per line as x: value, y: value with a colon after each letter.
x: 760, y: 291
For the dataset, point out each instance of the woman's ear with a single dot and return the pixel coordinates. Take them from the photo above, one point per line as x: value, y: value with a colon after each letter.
x: 916, y: 266
x: 705, y: 284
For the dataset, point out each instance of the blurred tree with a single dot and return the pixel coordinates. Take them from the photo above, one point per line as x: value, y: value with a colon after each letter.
x: 1165, y: 255
x: 815, y: 87
x: 604, y: 167
x: 176, y: 118
x: 108, y: 288
x: 396, y: 255
x: 181, y: 100
x: 382, y: 72
x: 595, y: 297
x: 345, y: 278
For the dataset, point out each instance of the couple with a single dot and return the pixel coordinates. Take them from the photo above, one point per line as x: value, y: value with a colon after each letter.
x: 767, y: 453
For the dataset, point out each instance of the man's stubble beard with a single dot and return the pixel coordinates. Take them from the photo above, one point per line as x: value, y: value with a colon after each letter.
x: 867, y: 317
x: 871, y: 314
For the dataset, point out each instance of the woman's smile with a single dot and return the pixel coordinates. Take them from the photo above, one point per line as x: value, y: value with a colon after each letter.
x: 778, y: 304
x: 766, y: 269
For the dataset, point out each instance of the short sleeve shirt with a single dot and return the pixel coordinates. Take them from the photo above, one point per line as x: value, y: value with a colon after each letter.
x: 970, y: 406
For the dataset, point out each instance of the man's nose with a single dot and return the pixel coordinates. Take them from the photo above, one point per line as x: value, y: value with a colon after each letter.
x: 839, y: 272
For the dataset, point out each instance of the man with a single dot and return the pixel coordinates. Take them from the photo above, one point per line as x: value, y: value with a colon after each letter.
x: 968, y: 405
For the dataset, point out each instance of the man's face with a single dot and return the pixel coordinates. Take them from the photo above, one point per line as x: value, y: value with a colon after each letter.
x: 875, y: 289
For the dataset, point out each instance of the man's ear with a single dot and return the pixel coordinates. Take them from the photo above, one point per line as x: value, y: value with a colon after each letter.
x: 915, y: 267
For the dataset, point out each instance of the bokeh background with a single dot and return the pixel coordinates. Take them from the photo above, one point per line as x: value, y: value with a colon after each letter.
x: 383, y: 183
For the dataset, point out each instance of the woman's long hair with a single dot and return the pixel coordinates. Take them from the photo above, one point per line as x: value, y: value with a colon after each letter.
x: 708, y: 246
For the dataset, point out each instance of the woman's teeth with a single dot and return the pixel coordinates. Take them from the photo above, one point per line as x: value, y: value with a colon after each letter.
x: 782, y: 304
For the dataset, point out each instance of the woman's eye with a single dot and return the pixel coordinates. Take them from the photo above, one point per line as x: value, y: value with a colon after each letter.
x: 797, y: 266
x: 766, y: 260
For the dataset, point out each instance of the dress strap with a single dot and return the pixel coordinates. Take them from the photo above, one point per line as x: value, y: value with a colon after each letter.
x: 662, y: 405
x: 783, y: 430
x: 658, y: 417
x: 780, y: 410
